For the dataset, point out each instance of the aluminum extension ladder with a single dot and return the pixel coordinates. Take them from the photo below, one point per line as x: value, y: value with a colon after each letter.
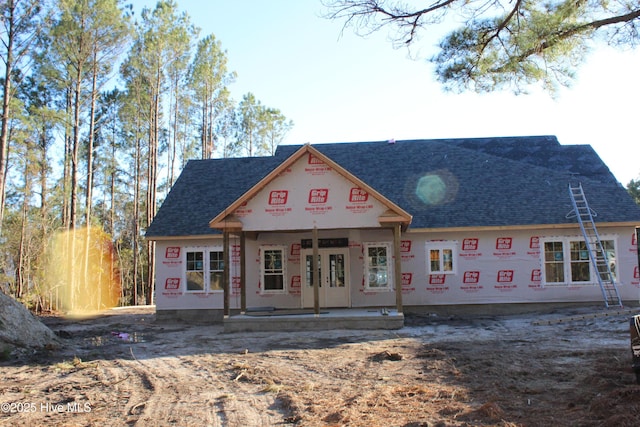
x: 597, y: 255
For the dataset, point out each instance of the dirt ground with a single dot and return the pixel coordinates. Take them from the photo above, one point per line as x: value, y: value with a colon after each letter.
x: 566, y: 368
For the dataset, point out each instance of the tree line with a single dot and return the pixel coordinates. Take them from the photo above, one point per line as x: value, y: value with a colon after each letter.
x: 101, y: 110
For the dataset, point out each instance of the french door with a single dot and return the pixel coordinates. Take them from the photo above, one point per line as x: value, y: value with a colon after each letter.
x: 333, y: 265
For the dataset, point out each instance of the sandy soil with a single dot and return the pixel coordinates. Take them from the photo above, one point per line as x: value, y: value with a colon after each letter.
x: 566, y: 368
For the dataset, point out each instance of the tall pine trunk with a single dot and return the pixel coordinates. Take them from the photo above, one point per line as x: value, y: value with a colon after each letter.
x: 91, y: 143
x: 6, y: 97
x: 89, y: 189
x: 66, y: 171
x: 152, y: 177
x: 73, y: 206
x: 21, y: 273
x: 112, y: 188
x: 75, y: 150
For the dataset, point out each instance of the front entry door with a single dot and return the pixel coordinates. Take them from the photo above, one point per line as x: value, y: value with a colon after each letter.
x: 334, y: 277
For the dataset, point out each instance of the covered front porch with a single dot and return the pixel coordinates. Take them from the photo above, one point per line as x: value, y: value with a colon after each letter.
x: 268, y: 319
x: 297, y: 231
x: 324, y: 297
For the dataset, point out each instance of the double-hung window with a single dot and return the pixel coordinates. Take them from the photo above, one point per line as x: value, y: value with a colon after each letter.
x: 195, y: 271
x: 579, y: 262
x: 216, y: 270
x: 272, y: 262
x: 553, y: 262
x: 204, y: 269
x: 378, y: 271
x: 441, y: 257
x: 566, y: 261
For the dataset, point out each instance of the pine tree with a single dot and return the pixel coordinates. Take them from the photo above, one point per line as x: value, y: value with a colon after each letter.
x: 499, y: 44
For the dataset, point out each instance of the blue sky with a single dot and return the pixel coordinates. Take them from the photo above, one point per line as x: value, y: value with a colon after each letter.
x: 343, y: 88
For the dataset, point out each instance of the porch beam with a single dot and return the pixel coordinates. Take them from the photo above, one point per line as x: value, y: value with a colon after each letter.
x: 225, y: 273
x: 243, y: 273
x: 316, y: 272
x: 397, y: 231
x: 229, y: 222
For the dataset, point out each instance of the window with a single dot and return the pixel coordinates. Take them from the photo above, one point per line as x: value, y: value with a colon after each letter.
x: 216, y: 270
x: 273, y: 269
x: 610, y: 252
x: 378, y: 274
x: 566, y: 261
x: 553, y: 262
x: 204, y: 276
x: 195, y: 271
x: 441, y: 258
x: 579, y: 262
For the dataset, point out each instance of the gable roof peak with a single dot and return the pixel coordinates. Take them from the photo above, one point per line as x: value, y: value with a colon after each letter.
x: 400, y: 214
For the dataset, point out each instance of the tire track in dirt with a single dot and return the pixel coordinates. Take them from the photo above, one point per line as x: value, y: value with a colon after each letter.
x: 196, y: 390
x: 169, y: 395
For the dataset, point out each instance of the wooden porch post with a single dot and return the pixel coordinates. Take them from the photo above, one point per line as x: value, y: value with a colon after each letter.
x: 316, y: 272
x: 243, y: 274
x: 225, y: 272
x: 397, y: 265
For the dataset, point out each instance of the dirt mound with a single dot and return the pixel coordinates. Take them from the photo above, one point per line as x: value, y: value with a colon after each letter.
x: 20, y: 328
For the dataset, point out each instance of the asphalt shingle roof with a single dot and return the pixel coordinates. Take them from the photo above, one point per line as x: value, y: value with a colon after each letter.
x: 203, y: 190
x: 469, y: 182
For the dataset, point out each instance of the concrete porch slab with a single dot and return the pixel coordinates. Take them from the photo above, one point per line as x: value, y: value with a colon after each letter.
x: 305, y: 321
